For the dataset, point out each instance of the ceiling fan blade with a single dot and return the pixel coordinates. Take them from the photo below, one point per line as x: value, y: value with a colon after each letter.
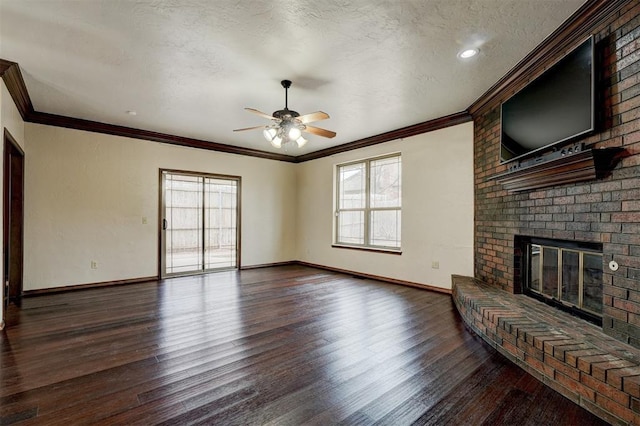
x: 320, y: 132
x: 248, y: 128
x: 311, y: 117
x: 260, y: 113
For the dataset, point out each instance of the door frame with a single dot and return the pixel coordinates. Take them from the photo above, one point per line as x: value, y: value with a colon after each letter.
x: 161, y: 208
x: 13, y: 220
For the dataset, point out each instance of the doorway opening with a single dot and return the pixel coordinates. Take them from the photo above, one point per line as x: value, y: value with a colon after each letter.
x: 13, y: 220
x: 199, y: 223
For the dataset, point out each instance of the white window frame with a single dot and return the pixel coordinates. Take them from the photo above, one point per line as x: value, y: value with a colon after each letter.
x: 367, y: 245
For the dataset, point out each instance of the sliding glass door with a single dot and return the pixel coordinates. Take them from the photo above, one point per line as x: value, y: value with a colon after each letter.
x: 199, y: 223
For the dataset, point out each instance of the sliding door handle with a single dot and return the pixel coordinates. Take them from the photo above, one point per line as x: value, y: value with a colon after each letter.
x: 164, y: 224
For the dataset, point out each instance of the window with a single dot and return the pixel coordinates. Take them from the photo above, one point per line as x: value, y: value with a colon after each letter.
x: 368, y: 212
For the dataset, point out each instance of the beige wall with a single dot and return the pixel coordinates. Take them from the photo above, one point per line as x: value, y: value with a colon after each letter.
x: 11, y: 120
x: 437, y: 210
x: 86, y: 195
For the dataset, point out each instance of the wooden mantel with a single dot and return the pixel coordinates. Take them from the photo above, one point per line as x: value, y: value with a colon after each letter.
x: 582, y: 166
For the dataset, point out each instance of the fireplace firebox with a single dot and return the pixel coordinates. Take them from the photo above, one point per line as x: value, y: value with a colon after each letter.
x: 564, y: 274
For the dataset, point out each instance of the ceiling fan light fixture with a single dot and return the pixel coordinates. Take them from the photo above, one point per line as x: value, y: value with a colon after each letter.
x: 294, y: 133
x: 301, y: 142
x: 276, y: 142
x: 287, y: 125
x: 269, y: 133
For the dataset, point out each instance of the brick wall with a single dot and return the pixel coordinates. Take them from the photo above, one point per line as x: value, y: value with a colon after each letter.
x: 605, y: 210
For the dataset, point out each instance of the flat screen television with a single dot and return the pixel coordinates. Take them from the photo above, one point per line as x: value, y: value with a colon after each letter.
x: 556, y: 107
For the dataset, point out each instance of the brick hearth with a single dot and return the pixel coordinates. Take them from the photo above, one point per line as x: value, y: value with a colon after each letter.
x: 566, y: 353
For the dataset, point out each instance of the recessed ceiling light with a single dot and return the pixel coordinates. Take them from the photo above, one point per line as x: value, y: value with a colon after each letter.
x: 468, y: 53
x: 132, y: 112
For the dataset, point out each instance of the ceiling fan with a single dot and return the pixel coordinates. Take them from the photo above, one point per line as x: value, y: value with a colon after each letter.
x: 288, y: 125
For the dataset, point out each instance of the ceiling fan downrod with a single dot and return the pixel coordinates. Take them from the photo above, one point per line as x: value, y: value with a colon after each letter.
x: 286, y: 84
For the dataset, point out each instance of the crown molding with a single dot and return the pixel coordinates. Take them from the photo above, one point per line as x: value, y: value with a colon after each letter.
x: 5, y: 65
x: 10, y: 73
x: 416, y: 129
x: 130, y: 132
x: 582, y: 23
x: 12, y: 77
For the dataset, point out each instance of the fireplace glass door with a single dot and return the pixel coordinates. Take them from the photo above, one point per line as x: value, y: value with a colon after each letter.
x: 572, y: 277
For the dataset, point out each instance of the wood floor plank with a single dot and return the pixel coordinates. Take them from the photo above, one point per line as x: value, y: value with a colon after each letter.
x: 286, y: 345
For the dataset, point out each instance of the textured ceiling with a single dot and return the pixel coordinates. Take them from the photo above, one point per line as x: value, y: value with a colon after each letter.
x: 188, y: 68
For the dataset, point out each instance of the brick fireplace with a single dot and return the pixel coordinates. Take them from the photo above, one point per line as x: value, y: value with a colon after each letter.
x: 601, y: 211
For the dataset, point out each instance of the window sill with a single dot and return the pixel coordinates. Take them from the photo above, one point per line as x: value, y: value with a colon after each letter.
x: 371, y: 249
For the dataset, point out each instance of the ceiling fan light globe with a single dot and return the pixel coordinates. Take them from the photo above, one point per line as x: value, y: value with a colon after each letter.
x: 294, y: 133
x: 269, y: 134
x: 301, y: 142
x: 276, y: 142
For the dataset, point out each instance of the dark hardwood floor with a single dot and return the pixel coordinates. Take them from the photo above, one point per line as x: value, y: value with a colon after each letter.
x: 281, y: 346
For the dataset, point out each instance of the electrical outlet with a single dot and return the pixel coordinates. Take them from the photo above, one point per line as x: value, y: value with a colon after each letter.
x: 144, y: 220
x: 94, y: 264
x: 435, y: 264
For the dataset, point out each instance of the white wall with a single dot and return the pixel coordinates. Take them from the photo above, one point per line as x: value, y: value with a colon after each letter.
x: 11, y: 120
x: 437, y: 209
x: 86, y: 194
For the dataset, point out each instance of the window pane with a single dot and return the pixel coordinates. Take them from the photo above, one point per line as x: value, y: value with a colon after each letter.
x: 570, y: 276
x: 385, y: 182
x: 220, y: 223
x: 385, y: 228
x: 592, y: 282
x: 534, y: 271
x: 352, y: 186
x: 550, y: 271
x: 183, y: 198
x: 351, y: 227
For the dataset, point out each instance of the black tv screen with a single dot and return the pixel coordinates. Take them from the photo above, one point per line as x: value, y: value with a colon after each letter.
x: 556, y: 107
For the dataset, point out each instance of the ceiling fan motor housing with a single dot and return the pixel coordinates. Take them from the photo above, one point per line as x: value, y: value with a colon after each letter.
x: 285, y: 114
